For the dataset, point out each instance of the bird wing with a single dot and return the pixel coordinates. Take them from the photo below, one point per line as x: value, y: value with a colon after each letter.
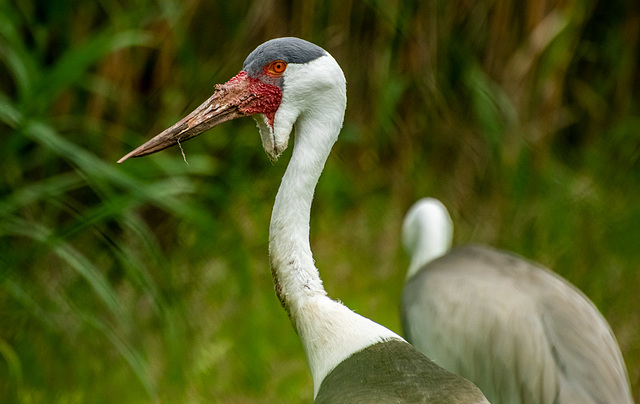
x: 587, y: 357
x: 395, y: 372
x: 518, y: 331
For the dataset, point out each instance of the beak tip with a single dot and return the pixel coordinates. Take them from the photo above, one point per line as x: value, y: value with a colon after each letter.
x: 126, y: 157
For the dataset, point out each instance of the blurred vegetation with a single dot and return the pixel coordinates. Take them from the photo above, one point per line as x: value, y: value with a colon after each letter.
x: 149, y: 282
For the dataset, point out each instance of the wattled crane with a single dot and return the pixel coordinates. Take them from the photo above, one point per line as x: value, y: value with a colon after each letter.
x: 290, y: 84
x: 517, y: 330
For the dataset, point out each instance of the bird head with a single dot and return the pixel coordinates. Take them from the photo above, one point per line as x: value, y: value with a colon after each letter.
x: 280, y: 81
x: 427, y: 232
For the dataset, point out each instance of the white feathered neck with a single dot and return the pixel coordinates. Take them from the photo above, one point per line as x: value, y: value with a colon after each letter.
x: 314, y: 101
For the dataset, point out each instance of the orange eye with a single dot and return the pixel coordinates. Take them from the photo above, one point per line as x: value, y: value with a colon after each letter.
x: 277, y: 67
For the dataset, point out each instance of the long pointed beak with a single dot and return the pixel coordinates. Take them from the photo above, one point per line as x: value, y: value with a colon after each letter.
x: 229, y: 101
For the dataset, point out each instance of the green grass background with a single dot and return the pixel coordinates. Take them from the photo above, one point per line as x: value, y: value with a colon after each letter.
x: 149, y: 281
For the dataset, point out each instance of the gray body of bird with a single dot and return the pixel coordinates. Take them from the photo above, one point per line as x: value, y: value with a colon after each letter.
x: 519, y: 331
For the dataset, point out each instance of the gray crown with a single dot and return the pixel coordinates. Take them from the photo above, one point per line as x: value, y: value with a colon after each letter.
x: 289, y: 49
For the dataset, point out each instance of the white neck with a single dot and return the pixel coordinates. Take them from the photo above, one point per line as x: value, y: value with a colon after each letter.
x: 427, y: 233
x: 295, y: 275
x: 329, y: 331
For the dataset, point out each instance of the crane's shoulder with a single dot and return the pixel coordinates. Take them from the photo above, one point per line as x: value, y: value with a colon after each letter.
x: 476, y: 270
x: 395, y: 372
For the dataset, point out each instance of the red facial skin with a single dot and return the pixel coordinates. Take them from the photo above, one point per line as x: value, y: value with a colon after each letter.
x: 265, y: 97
